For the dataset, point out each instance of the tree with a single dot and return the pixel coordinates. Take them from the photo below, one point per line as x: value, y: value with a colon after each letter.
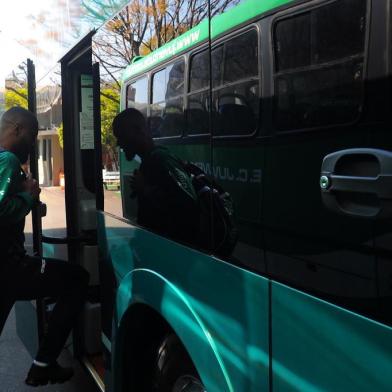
x: 141, y: 27
x: 145, y: 25
x: 60, y: 134
x: 16, y: 88
x: 15, y: 97
x: 110, y: 104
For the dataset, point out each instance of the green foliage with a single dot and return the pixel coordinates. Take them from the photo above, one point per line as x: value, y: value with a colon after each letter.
x: 16, y: 97
x: 110, y: 106
x: 61, y: 135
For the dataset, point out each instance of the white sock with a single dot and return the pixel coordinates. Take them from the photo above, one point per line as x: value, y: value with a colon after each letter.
x: 40, y: 364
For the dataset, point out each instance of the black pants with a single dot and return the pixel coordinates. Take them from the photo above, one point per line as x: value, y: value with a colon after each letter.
x: 32, y: 278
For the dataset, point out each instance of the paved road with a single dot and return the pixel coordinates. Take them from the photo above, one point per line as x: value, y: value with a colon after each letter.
x: 14, y: 358
x: 15, y: 361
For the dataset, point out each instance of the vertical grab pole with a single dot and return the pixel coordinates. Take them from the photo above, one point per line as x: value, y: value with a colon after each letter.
x: 32, y: 105
x: 36, y: 214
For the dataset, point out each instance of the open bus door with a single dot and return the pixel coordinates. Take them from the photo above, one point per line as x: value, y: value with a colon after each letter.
x: 82, y: 193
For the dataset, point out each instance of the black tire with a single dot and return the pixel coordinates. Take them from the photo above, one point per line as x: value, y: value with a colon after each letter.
x: 175, y: 371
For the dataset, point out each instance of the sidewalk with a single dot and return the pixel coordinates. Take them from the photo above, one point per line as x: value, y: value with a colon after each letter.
x: 15, y: 362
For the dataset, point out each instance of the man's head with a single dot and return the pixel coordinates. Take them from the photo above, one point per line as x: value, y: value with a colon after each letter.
x: 18, y: 131
x: 130, y: 129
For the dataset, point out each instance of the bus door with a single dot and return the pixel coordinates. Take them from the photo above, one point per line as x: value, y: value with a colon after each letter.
x: 81, y: 175
x: 380, y: 86
x: 107, y: 96
x: 318, y: 220
x: 30, y: 315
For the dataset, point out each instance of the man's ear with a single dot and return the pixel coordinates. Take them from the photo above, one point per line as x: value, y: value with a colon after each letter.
x: 17, y: 130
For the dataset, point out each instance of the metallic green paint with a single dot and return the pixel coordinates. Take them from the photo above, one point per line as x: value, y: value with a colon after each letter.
x: 318, y: 346
x: 221, y: 314
x: 219, y: 311
x: 146, y: 286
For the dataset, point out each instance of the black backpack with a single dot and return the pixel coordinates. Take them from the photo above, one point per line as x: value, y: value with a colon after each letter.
x: 218, y: 232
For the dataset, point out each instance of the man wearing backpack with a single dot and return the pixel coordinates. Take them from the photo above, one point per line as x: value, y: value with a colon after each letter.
x: 167, y: 203
x: 23, y: 277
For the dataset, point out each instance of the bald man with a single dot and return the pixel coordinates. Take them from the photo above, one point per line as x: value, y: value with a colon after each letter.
x: 23, y: 277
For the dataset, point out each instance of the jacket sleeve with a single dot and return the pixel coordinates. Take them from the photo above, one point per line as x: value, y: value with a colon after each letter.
x: 13, y: 207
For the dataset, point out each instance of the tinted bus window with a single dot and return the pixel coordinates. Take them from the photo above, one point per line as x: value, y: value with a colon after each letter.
x: 137, y: 95
x: 199, y: 75
x: 345, y: 36
x: 319, y: 66
x: 241, y: 58
x: 198, y: 100
x: 175, y: 80
x: 292, y: 44
x: 167, y: 113
x: 159, y: 86
x: 235, y: 84
x: 236, y: 99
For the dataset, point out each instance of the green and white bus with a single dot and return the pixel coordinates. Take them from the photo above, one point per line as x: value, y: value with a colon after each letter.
x: 287, y: 105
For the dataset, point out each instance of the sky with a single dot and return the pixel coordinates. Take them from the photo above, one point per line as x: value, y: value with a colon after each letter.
x: 13, y: 30
x: 40, y: 30
x: 44, y: 30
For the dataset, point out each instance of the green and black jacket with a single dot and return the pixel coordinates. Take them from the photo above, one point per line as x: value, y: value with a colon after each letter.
x: 15, y: 204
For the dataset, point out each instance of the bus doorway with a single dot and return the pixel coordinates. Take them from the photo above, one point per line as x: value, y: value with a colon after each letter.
x: 63, y: 103
x: 81, y: 193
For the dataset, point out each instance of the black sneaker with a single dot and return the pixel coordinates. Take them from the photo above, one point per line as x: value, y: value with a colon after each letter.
x: 54, y: 373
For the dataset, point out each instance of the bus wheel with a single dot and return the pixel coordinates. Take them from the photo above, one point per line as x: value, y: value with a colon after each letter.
x: 188, y: 384
x: 175, y: 371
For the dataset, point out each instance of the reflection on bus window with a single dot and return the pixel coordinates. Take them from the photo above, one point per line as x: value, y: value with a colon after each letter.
x: 241, y: 58
x: 236, y: 99
x: 199, y: 83
x: 235, y: 84
x: 167, y: 113
x: 319, y: 68
x: 137, y: 95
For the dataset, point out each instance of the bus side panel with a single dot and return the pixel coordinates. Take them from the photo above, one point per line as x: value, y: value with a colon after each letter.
x: 219, y: 311
x: 145, y: 286
x: 319, y: 346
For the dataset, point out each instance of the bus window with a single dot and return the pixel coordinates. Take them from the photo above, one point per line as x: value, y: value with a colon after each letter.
x: 238, y: 167
x: 198, y: 99
x: 159, y: 86
x: 137, y: 95
x: 167, y: 112
x: 319, y: 66
x: 292, y: 43
x: 241, y: 60
x: 175, y: 80
x: 199, y: 76
x: 236, y: 98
